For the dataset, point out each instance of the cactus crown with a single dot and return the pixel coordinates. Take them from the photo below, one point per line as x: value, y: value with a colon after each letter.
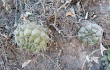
x: 90, y: 33
x: 31, y: 37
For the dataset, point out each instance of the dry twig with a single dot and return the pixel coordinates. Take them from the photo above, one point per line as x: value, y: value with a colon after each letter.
x: 89, y: 56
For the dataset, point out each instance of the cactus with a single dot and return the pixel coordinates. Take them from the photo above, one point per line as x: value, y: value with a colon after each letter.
x: 105, y: 60
x: 31, y: 37
x: 90, y: 33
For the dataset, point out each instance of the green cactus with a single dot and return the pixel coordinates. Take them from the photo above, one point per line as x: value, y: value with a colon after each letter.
x: 105, y: 60
x: 31, y: 37
x: 90, y: 33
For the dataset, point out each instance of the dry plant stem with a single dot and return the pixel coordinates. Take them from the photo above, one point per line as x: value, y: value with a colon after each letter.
x: 4, y: 53
x: 21, y: 8
x: 42, y: 54
x: 3, y: 35
x: 59, y: 31
x: 73, y: 11
x: 77, y: 25
x: 9, y: 46
x: 43, y: 5
x: 69, y: 36
x: 67, y: 2
x: 89, y: 56
x: 14, y: 51
x: 86, y: 3
x: 58, y: 58
x: 16, y: 12
x: 56, y: 12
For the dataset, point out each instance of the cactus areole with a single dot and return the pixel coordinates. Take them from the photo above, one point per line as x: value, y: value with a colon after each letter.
x: 91, y: 33
x: 31, y: 37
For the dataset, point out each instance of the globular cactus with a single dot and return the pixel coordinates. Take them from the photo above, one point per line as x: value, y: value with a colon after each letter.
x: 31, y: 37
x: 90, y: 33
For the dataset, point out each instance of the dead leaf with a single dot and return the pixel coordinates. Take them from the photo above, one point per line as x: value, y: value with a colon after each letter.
x: 26, y: 63
x: 102, y: 48
x: 69, y: 14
